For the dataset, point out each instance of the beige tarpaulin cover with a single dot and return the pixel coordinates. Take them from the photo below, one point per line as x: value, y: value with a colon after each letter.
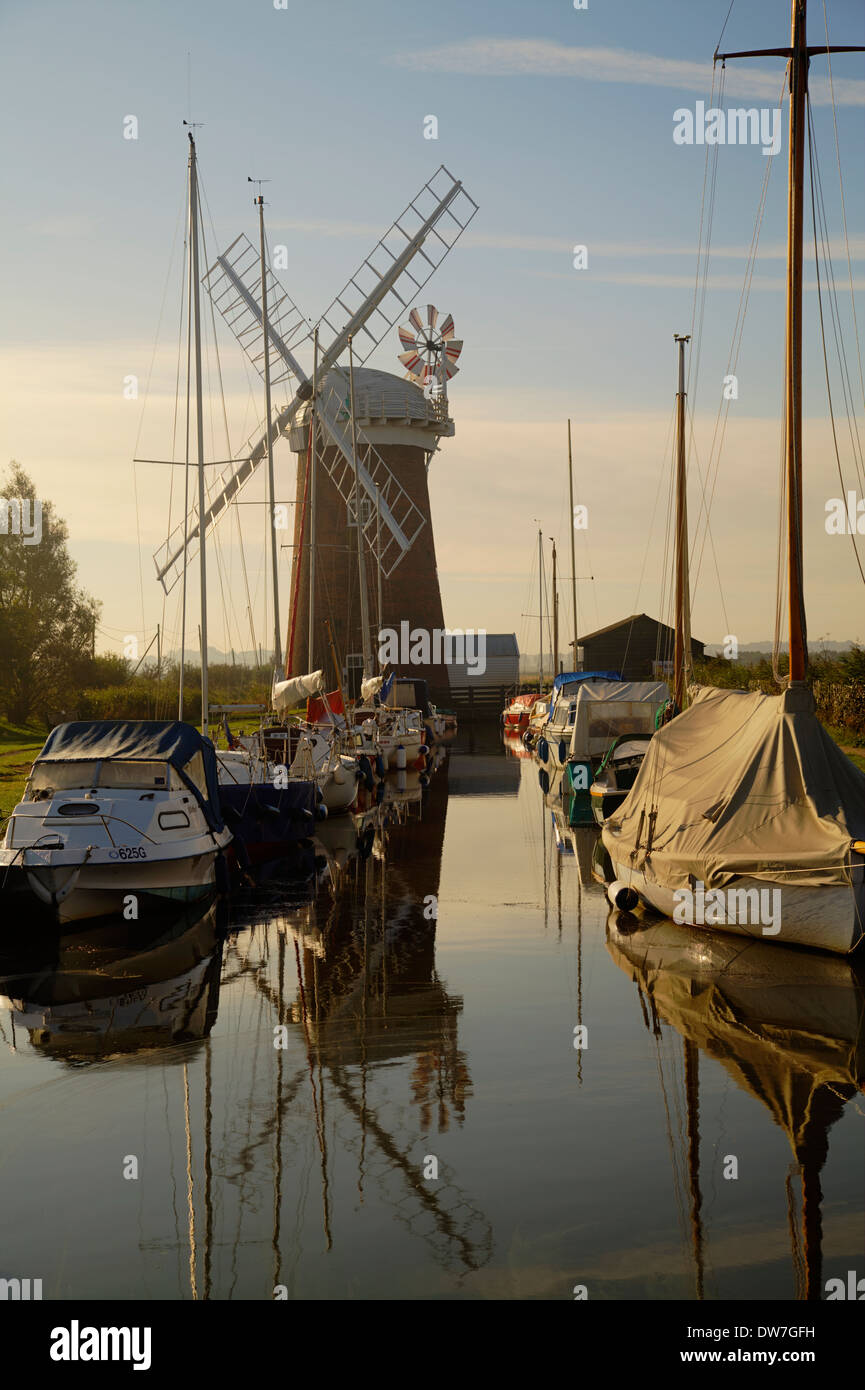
x: 606, y: 709
x: 743, y: 784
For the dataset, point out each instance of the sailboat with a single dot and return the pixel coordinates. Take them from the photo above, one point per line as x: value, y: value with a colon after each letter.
x: 745, y: 815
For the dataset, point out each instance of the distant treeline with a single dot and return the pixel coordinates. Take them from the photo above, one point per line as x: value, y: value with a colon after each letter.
x: 143, y: 696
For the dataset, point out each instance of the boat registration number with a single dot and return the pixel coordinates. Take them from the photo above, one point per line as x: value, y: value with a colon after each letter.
x: 127, y: 852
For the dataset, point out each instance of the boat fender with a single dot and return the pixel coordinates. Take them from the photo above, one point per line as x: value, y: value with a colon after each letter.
x: 379, y: 792
x: 400, y: 758
x: 424, y: 780
x: 622, y: 895
x: 365, y: 767
x: 321, y: 811
x: 379, y: 765
x: 543, y: 749
x: 423, y: 750
x: 544, y: 780
x: 563, y: 752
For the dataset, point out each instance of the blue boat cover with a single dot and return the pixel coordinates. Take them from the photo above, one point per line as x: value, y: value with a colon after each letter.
x: 575, y: 677
x: 168, y: 741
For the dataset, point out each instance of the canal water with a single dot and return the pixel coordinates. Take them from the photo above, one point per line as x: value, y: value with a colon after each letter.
x: 444, y: 1068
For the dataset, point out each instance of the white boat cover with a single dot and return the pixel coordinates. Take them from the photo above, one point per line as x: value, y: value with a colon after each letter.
x: 606, y: 709
x: 743, y: 784
x: 371, y: 687
x: 294, y: 691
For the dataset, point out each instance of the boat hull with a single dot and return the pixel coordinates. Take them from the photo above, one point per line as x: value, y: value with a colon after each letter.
x: 823, y: 918
x: 104, y: 890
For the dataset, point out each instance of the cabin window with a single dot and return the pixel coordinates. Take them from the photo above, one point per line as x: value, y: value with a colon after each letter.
x: 194, y: 770
x: 173, y: 820
x: 145, y: 775
x: 48, y: 777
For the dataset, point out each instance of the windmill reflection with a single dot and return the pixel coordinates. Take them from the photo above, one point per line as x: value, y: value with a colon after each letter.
x: 786, y: 1025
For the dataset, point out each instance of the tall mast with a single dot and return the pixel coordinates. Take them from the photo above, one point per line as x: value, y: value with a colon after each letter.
x: 361, y: 568
x: 199, y: 417
x: 541, y: 613
x: 555, y: 616
x: 795, y: 220
x: 798, y: 56
x: 682, y: 653
x: 573, y: 559
x: 271, y: 494
x: 313, y: 442
x: 378, y: 557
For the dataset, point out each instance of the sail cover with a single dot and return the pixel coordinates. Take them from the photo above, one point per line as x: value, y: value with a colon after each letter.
x: 740, y: 784
x: 296, y: 691
x: 607, y: 709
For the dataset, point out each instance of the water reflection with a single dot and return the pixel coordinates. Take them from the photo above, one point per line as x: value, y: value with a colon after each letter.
x: 116, y: 988
x: 312, y: 1034
x: 786, y: 1025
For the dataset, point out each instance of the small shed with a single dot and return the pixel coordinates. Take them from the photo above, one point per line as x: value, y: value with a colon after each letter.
x: 639, y: 646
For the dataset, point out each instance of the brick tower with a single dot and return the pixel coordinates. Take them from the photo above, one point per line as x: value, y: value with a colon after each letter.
x: 404, y: 427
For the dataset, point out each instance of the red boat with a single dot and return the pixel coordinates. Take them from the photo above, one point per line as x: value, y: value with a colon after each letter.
x: 518, y: 713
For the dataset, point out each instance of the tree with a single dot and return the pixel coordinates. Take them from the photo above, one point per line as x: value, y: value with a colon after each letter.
x: 47, y: 623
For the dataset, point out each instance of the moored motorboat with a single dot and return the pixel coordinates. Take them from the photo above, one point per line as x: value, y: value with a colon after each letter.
x: 116, y: 815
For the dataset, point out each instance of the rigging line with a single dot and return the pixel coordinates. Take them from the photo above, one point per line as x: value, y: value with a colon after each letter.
x: 843, y: 202
x: 823, y: 329
x: 698, y: 315
x: 724, y: 26
x: 723, y: 412
x: 706, y: 505
x: 835, y: 313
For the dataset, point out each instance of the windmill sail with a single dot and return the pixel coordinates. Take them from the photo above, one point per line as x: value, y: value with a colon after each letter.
x: 365, y: 309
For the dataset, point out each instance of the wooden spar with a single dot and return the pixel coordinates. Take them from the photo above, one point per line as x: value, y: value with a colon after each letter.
x: 271, y: 494
x: 555, y: 616
x: 361, y: 567
x: 199, y: 414
x: 336, y: 668
x: 795, y: 222
x: 541, y: 612
x: 573, y: 558
x: 313, y: 441
x: 682, y: 655
x: 799, y: 56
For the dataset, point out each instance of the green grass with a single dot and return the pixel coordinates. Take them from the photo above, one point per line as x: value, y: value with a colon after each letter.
x: 19, y: 745
x: 852, y: 742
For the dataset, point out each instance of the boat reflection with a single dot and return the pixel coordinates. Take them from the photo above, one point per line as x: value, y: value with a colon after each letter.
x: 116, y: 988
x: 786, y: 1025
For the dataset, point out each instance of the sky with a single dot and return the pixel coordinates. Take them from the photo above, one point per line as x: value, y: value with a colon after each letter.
x: 560, y: 124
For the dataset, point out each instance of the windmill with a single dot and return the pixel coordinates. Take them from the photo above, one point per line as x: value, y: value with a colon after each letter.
x: 364, y: 310
x: 430, y: 352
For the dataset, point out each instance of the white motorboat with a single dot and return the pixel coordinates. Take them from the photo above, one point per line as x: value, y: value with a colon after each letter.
x: 116, y: 817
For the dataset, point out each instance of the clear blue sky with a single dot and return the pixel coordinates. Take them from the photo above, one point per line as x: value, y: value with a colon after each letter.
x: 558, y: 147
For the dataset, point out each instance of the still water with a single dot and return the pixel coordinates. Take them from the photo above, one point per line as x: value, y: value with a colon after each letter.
x: 706, y: 1142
